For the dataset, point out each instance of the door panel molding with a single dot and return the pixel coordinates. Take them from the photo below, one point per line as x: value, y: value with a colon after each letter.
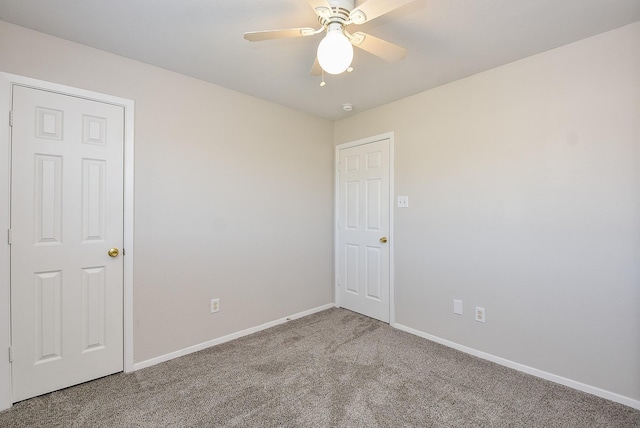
x: 386, y: 136
x: 7, y: 82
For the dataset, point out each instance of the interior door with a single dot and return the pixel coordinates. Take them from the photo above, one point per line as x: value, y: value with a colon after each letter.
x: 66, y: 216
x: 363, y: 229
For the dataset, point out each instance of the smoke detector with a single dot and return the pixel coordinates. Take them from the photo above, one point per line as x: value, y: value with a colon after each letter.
x: 347, y: 107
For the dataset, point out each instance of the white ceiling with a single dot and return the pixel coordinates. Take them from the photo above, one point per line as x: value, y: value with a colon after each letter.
x: 446, y: 40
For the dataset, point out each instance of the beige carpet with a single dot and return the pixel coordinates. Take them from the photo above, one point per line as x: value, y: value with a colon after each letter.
x: 331, y: 369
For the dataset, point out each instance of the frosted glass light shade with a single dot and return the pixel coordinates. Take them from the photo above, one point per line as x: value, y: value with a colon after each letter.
x: 335, y: 52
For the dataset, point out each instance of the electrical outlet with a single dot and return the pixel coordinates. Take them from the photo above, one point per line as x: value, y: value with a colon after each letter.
x: 215, y: 305
x: 480, y: 315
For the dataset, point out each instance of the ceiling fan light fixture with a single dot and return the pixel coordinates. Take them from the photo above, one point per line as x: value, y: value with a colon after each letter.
x: 335, y: 52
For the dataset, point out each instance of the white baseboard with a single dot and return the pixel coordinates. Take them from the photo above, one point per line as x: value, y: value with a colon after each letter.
x: 227, y: 338
x: 526, y: 369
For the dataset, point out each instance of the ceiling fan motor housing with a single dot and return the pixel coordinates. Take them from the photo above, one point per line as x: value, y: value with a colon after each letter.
x: 339, y: 12
x: 344, y: 4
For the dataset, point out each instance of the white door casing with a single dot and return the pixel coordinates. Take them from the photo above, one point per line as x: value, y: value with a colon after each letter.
x: 364, y: 227
x: 95, y: 274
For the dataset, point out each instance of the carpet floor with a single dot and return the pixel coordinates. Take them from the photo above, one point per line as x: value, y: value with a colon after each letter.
x: 330, y: 369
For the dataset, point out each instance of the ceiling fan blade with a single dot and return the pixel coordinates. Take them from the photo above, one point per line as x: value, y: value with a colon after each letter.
x: 258, y: 36
x: 316, y: 70
x: 321, y: 7
x: 378, y: 47
x: 371, y: 9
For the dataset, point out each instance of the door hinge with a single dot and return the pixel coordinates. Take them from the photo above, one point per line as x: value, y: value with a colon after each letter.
x: 9, y: 236
x: 10, y: 117
x: 10, y: 354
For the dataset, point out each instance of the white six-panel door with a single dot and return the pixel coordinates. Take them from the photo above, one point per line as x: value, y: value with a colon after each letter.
x: 66, y: 214
x: 363, y: 229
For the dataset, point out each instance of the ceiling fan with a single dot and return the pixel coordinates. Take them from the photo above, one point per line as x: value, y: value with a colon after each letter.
x: 335, y: 51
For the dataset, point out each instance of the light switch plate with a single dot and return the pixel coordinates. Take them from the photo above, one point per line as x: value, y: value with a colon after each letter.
x: 403, y: 202
x: 457, y: 307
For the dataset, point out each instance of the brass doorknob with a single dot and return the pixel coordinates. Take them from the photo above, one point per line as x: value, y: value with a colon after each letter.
x: 113, y: 252
x: 383, y: 239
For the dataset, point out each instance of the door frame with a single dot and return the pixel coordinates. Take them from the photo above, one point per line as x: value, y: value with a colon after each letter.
x: 7, y: 81
x: 336, y: 198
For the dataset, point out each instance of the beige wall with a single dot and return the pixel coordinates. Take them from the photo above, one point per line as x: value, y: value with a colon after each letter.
x: 233, y: 195
x: 524, y: 190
